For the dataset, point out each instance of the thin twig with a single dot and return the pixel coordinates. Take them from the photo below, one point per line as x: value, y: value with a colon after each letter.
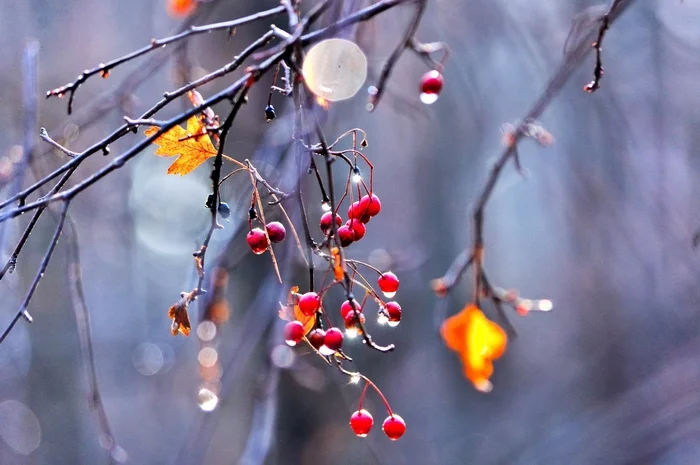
x: 105, y: 68
x: 406, y: 42
x: 82, y: 319
x: 22, y: 312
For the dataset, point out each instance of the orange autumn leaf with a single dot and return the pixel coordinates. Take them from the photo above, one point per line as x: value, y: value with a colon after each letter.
x: 478, y: 341
x: 181, y: 321
x: 338, y: 268
x: 292, y: 312
x: 180, y: 8
x: 192, y: 146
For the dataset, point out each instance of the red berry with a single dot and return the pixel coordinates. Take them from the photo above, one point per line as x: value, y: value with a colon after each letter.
x: 309, y: 303
x: 257, y: 240
x: 370, y: 204
x: 358, y: 229
x: 316, y: 338
x: 326, y: 221
x: 361, y: 422
x: 430, y: 86
x: 359, y: 211
x: 332, y: 342
x: 394, y: 427
x: 351, y: 326
x: 393, y: 311
x: 389, y: 284
x: 346, y: 309
x: 293, y: 332
x: 276, y: 231
x: 346, y: 235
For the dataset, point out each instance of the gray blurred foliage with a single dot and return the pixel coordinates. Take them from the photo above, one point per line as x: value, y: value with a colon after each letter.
x: 603, y: 227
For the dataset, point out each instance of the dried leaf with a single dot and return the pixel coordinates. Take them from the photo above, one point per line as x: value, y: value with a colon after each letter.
x: 338, y: 265
x: 478, y: 341
x: 192, y: 146
x: 181, y: 321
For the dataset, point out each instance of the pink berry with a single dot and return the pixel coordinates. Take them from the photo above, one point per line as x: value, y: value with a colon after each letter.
x: 389, y: 284
x: 316, y: 338
x: 346, y: 309
x: 257, y: 240
x: 276, y: 231
x: 370, y: 204
x: 346, y: 235
x: 293, y: 332
x: 430, y: 86
x: 309, y: 303
x: 326, y: 221
x: 358, y: 229
x: 394, y: 426
x: 361, y: 422
x: 393, y: 311
x: 332, y: 341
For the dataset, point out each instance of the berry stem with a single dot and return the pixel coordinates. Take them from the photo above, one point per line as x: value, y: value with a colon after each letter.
x: 362, y: 396
x: 368, y: 382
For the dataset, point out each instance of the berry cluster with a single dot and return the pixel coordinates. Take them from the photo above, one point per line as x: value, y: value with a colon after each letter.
x: 308, y: 318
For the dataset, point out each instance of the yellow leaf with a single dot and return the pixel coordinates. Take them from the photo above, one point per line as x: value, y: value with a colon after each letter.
x: 478, y: 341
x: 292, y: 312
x: 308, y: 321
x: 192, y: 146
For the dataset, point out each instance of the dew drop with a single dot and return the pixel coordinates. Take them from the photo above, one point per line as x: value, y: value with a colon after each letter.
x: 326, y: 351
x: 392, y: 324
x: 427, y: 98
x: 389, y: 295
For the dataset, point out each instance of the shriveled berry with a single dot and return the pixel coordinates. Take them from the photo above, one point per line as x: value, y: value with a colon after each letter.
x: 430, y: 86
x: 389, y: 284
x: 270, y: 113
x: 316, y: 338
x: 326, y: 221
x: 358, y: 229
x: 257, y: 240
x: 293, y: 332
x: 276, y: 231
x: 210, y: 201
x: 394, y: 426
x: 361, y: 422
x: 370, y: 204
x: 309, y: 303
x: 346, y: 235
x: 224, y: 210
x: 393, y: 311
x: 346, y: 308
x: 332, y: 341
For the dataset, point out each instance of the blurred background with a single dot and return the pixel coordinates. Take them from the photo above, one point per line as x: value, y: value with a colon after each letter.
x: 602, y: 225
